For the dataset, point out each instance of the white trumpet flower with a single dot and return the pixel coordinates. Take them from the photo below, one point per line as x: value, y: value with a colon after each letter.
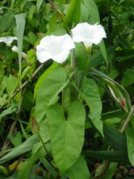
x: 8, y: 40
x: 88, y: 34
x: 15, y: 49
x: 54, y: 47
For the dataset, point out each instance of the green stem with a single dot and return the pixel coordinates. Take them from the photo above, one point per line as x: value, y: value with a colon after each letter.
x: 84, y: 73
x: 127, y: 120
x: 42, y: 142
x: 73, y: 60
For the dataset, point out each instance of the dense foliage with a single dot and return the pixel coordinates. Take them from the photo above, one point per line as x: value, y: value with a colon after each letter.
x: 71, y: 120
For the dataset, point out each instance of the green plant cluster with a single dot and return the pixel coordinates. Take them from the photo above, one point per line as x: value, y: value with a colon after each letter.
x: 71, y: 120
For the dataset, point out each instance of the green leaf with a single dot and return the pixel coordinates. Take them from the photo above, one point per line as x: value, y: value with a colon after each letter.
x: 7, y: 111
x: 49, y: 167
x: 21, y: 149
x: 110, y: 171
x: 116, y: 87
x: 128, y: 77
x: 31, y: 12
x: 6, y: 21
x: 39, y: 3
x: 66, y: 133
x: 26, y: 167
x: 73, y: 13
x: 112, y: 156
x: 3, y: 170
x: 92, y: 98
x: 20, y: 22
x: 89, y: 11
x: 79, y: 170
x: 81, y: 56
x: 16, y: 139
x: 12, y: 83
x: 43, y: 77
x: 103, y: 51
x: 116, y: 139
x: 130, y: 142
x: 114, y: 120
x: 49, y: 86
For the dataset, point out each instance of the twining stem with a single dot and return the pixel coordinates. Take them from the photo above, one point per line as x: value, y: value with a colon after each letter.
x: 88, y: 51
x: 124, y: 126
x: 73, y: 60
x: 27, y: 81
x: 85, y: 72
x: 43, y: 144
x: 57, y: 9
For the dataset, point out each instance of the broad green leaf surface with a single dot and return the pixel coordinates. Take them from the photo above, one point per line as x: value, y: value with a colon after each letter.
x: 73, y: 12
x: 48, y: 87
x: 43, y: 77
x: 92, y: 98
x: 66, y: 133
x: 79, y: 170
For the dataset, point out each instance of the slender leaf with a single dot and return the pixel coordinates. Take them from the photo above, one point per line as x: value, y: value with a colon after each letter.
x: 112, y: 156
x: 21, y: 149
x: 20, y: 22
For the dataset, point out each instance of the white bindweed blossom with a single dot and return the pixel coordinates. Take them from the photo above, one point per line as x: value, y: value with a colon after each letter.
x: 54, y: 47
x: 15, y: 49
x: 88, y: 34
x: 8, y: 40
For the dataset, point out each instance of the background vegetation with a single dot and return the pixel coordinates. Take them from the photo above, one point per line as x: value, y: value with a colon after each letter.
x: 26, y: 150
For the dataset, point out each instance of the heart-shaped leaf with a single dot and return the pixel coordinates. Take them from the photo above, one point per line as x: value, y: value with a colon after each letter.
x: 66, y: 133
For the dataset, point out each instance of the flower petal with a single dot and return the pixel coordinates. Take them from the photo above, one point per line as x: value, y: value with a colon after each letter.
x: 42, y: 55
x: 99, y: 33
x: 62, y: 57
x: 88, y: 34
x: 54, y: 47
x: 15, y: 49
x: 8, y: 40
